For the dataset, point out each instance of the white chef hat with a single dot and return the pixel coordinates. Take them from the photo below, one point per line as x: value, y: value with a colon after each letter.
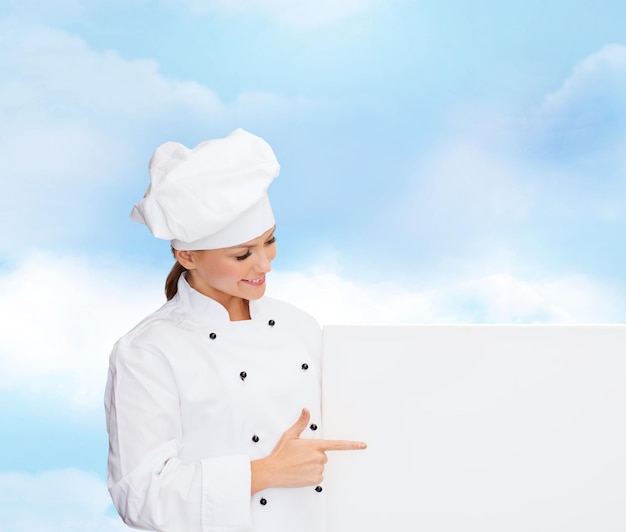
x: 212, y: 196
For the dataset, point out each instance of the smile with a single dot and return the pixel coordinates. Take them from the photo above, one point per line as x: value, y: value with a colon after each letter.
x: 254, y: 282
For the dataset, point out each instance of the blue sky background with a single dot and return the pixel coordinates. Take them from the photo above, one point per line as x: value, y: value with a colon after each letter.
x: 442, y: 161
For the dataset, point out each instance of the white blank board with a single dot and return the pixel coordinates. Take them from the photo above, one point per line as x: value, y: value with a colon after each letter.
x: 476, y: 428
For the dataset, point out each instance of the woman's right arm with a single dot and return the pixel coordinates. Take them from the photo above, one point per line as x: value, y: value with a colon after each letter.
x: 150, y: 486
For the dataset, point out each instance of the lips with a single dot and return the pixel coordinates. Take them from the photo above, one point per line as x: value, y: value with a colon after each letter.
x: 255, y: 282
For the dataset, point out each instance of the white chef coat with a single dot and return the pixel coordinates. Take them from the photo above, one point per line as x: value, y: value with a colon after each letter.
x: 193, y: 397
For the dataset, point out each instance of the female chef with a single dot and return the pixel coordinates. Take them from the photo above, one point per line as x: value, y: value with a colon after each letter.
x: 213, y: 401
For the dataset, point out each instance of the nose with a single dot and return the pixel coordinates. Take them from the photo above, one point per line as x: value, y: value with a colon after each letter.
x: 265, y: 262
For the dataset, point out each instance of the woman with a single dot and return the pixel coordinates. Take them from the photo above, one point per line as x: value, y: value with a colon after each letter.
x: 213, y: 401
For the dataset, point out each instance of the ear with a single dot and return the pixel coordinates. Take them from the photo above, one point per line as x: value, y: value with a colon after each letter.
x: 185, y: 258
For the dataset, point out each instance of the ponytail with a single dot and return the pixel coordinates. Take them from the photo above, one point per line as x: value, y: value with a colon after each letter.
x: 171, y: 283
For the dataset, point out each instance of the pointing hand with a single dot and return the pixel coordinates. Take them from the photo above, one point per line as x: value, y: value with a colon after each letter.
x: 297, y: 462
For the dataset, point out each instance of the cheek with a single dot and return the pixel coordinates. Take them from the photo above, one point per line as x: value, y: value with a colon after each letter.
x: 224, y: 272
x: 235, y: 272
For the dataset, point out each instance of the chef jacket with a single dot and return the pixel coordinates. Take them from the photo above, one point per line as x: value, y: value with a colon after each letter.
x: 192, y: 398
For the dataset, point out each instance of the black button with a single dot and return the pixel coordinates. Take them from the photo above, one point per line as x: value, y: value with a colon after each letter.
x: 313, y: 426
x: 243, y: 375
x: 305, y: 366
x: 271, y: 323
x: 212, y: 336
x: 318, y: 489
x: 263, y: 502
x: 255, y: 438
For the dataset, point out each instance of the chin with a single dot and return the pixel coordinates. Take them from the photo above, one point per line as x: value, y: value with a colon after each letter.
x: 255, y: 294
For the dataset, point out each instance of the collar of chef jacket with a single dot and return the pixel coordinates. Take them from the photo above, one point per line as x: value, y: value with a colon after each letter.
x: 203, y: 309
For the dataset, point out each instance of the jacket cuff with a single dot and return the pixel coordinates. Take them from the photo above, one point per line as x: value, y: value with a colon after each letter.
x: 226, y: 484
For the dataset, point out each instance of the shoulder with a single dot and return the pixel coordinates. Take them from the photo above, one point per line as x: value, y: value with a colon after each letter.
x: 150, y: 333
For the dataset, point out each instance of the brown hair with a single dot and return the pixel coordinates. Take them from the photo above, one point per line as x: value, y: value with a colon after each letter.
x: 171, y: 283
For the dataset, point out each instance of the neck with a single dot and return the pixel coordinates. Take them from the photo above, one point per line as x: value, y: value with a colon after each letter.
x: 238, y: 309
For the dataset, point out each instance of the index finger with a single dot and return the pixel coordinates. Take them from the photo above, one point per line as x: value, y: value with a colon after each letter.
x: 341, y: 445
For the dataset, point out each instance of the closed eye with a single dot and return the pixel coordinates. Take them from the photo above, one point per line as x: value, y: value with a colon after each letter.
x: 244, y: 257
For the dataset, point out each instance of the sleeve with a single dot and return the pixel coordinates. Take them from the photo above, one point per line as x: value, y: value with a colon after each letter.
x: 151, y: 488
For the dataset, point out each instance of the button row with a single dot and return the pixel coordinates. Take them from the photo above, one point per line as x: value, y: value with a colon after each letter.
x: 263, y: 500
x: 271, y: 323
x: 243, y: 374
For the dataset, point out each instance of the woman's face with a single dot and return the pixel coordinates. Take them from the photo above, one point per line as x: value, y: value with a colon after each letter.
x: 237, y: 271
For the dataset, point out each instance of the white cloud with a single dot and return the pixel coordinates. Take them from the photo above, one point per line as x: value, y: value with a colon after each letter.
x: 61, y: 315
x: 504, y: 298
x: 302, y: 14
x: 47, y: 65
x: 333, y: 299
x: 70, y: 112
x: 583, y: 120
x: 60, y: 318
x: 598, y: 80
x: 56, y: 501
x: 496, y: 297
